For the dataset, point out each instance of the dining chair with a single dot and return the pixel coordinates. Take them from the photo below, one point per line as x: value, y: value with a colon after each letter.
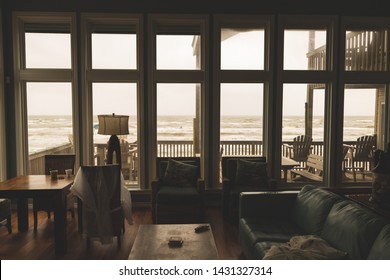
x: 99, y: 189
x: 59, y: 162
x: 5, y: 213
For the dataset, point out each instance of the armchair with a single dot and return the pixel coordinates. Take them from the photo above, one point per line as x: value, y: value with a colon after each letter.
x: 242, y: 174
x: 177, y: 193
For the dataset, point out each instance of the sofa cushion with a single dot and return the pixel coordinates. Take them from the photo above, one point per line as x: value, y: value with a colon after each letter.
x: 253, y: 230
x: 312, y: 207
x: 180, y: 174
x: 380, y: 250
x: 352, y: 229
x: 251, y: 174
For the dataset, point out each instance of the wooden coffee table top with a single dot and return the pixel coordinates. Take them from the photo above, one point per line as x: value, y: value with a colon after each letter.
x: 151, y: 243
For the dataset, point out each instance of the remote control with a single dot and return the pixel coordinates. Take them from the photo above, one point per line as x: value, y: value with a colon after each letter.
x: 202, y: 228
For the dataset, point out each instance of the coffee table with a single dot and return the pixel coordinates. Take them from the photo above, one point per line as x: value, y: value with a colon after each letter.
x: 151, y: 243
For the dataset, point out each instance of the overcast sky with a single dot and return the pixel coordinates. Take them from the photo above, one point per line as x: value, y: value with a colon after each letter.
x: 179, y: 99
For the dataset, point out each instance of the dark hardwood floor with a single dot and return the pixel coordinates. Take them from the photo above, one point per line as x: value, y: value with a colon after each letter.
x: 40, y: 246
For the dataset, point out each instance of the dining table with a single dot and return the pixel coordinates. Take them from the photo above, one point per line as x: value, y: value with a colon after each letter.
x: 24, y: 187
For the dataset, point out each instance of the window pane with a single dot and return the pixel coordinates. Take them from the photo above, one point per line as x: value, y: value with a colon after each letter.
x: 303, y: 130
x: 364, y: 119
x: 114, y: 51
x: 49, y: 109
x: 366, y: 50
x: 48, y: 50
x: 241, y: 120
x: 180, y: 52
x: 119, y: 99
x: 242, y: 49
x: 178, y: 122
x: 304, y: 50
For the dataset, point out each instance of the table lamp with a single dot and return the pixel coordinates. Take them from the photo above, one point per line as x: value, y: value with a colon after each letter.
x: 113, y: 125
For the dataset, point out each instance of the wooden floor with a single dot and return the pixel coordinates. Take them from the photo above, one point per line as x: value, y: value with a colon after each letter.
x: 40, y: 246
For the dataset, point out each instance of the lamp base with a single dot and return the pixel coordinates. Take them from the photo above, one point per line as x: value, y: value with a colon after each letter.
x: 114, y: 146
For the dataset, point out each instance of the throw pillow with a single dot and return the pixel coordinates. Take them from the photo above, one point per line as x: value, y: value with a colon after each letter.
x: 251, y: 174
x: 180, y: 174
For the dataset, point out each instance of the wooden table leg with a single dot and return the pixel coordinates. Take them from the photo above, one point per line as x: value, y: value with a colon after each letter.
x: 60, y: 224
x: 22, y: 208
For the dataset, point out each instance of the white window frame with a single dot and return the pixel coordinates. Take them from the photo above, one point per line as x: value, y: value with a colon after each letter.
x: 327, y: 77
x: 88, y: 21
x: 362, y: 77
x: 22, y: 75
x: 264, y: 77
x: 176, y: 24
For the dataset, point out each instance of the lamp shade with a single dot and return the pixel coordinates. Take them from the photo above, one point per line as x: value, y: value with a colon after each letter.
x: 113, y: 124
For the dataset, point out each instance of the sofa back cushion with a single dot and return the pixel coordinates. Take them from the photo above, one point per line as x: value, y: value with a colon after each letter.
x: 380, y: 250
x: 352, y: 229
x: 311, y: 208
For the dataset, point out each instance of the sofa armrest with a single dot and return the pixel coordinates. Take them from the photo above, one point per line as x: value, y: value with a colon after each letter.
x: 267, y: 204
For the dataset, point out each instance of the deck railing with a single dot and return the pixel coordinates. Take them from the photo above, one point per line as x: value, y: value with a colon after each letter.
x: 36, y: 164
x: 364, y: 51
x: 168, y: 148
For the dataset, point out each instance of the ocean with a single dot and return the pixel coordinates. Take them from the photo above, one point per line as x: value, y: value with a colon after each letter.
x: 50, y: 131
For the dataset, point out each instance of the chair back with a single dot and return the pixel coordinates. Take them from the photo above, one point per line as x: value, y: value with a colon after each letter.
x: 365, y: 146
x: 99, y: 188
x: 162, y: 163
x: 301, y: 147
x: 59, y: 162
x: 229, y: 165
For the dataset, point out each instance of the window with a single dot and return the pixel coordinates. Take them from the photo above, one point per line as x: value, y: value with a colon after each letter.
x: 242, y: 49
x: 177, y: 87
x: 114, y: 51
x: 113, y: 84
x: 241, y: 128
x: 303, y: 115
x: 177, y: 52
x: 119, y: 99
x: 366, y: 50
x: 45, y: 88
x: 304, y: 49
x: 305, y: 93
x: 364, y: 98
x: 48, y: 50
x: 363, y: 120
x: 178, y: 125
x: 50, y: 130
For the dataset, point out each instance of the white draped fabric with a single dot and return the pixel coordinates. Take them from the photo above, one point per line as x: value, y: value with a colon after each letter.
x: 97, y: 198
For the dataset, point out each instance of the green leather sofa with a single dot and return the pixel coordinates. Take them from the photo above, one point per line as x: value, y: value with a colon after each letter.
x: 273, y: 218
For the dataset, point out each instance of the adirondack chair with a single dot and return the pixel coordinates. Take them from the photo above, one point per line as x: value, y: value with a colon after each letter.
x: 300, y: 149
x: 360, y: 155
